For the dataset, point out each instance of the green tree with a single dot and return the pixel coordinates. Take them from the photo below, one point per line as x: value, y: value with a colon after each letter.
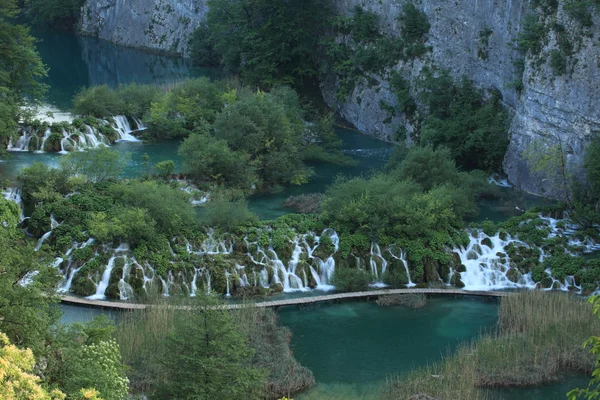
x: 165, y: 168
x: 26, y: 310
x: 208, y: 357
x: 21, y: 69
x: 267, y: 41
x: 168, y: 206
x: 228, y: 213
x: 592, y: 392
x: 96, y: 165
x: 462, y: 119
x: 98, y: 101
x: 266, y: 128
x: 207, y: 159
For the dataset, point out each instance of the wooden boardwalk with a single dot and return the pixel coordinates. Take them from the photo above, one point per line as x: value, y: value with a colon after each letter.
x: 115, y: 305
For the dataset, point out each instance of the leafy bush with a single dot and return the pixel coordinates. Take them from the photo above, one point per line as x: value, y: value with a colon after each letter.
x: 228, y: 215
x: 532, y: 35
x: 558, y: 62
x: 269, y: 129
x: 462, y: 119
x: 169, y: 207
x: 96, y: 165
x: 98, y: 101
x: 351, y: 279
x: 209, y: 159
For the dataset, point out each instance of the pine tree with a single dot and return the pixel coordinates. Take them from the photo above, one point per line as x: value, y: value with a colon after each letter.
x: 209, y: 357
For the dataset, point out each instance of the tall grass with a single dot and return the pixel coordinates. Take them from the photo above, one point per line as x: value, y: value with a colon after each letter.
x: 142, y: 336
x: 539, y: 336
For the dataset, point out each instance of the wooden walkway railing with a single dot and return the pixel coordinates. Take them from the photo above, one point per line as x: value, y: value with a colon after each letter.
x: 115, y: 305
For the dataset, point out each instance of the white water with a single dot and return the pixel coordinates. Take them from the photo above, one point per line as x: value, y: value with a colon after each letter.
x: 53, y: 225
x: 124, y: 129
x: 103, y: 284
x: 14, y: 194
x: 487, y: 267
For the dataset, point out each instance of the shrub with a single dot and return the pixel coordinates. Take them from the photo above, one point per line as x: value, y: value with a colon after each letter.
x: 209, y: 159
x: 228, y: 215
x: 98, y: 101
x: 461, y: 118
x: 558, y: 62
x: 351, y: 279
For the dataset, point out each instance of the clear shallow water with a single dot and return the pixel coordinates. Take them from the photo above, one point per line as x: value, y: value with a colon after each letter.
x: 352, y: 347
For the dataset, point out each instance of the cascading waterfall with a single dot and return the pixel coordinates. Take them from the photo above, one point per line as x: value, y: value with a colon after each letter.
x: 488, y: 265
x: 376, y: 260
x: 124, y: 129
x: 306, y: 261
x: 75, y: 137
x: 44, y: 140
x: 103, y: 284
x: 14, y: 194
x: 397, y: 253
x: 53, y: 224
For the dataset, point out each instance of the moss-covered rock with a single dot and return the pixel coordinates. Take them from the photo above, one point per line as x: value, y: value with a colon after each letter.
x: 113, y: 292
x: 431, y: 270
x: 461, y: 268
x: 513, y: 275
x: 487, y: 242
x: 82, y: 285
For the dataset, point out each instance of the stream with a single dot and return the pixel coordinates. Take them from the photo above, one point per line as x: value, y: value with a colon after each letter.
x: 350, y: 347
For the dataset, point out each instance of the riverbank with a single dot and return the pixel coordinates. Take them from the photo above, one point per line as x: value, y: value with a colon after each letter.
x: 539, y: 339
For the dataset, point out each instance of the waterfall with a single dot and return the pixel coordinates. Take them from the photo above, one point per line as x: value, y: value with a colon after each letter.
x: 14, y: 194
x: 53, y: 225
x: 377, y: 257
x: 44, y: 139
x: 124, y: 130
x: 140, y: 125
x: 23, y: 140
x: 401, y: 255
x: 103, y: 285
x: 487, y: 264
x: 125, y: 290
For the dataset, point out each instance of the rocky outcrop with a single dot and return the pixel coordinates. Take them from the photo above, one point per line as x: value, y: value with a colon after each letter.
x: 549, y: 110
x: 156, y: 25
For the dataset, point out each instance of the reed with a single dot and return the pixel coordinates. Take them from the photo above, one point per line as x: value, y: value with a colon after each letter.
x: 412, y: 300
x: 539, y: 337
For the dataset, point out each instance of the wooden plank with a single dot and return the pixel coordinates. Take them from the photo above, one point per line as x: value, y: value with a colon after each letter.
x: 114, y: 305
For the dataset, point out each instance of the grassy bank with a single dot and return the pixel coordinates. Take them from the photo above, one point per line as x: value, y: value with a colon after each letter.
x: 143, y: 337
x: 539, y: 337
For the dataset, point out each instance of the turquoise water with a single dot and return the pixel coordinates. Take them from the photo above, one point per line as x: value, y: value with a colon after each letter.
x: 75, y: 62
x: 352, y: 347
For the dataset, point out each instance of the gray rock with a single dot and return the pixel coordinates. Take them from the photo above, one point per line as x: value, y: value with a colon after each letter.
x: 558, y: 110
x: 157, y: 25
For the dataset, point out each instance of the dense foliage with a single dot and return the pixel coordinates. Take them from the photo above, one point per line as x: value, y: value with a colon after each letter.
x: 57, y: 14
x: 462, y: 118
x: 259, y: 141
x: 21, y: 69
x: 267, y: 42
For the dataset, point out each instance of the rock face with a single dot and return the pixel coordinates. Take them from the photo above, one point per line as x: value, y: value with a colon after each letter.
x: 550, y: 110
x: 553, y: 110
x: 156, y: 25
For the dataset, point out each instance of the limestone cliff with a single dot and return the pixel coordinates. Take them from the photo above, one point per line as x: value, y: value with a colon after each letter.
x: 551, y: 109
x: 556, y: 108
x: 155, y: 25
